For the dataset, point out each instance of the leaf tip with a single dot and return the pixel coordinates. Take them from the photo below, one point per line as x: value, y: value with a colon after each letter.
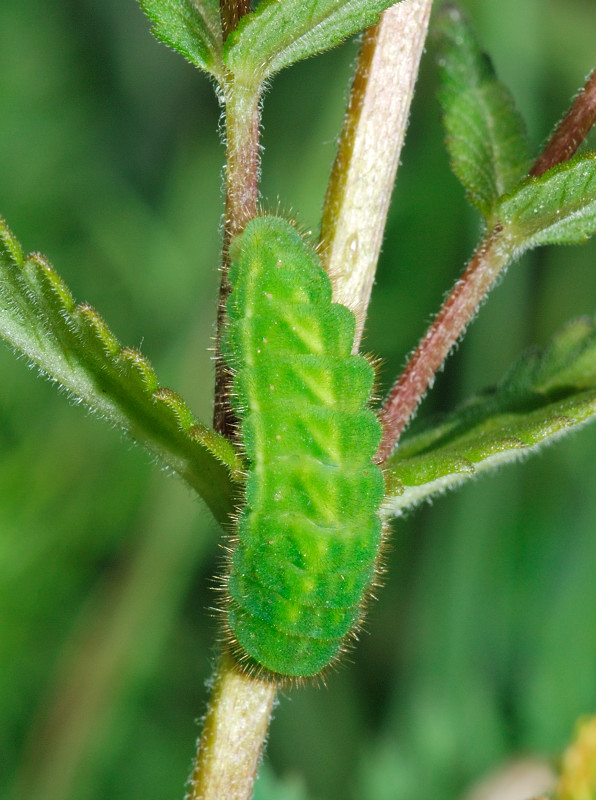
x: 10, y: 242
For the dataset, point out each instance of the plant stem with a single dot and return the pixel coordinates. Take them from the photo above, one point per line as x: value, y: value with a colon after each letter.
x: 370, y: 144
x: 231, y: 11
x: 233, y: 734
x: 571, y: 131
x: 489, y: 259
x: 357, y: 201
x: 242, y: 157
x: 242, y: 112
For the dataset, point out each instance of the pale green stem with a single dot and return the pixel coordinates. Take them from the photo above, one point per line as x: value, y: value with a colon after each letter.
x: 364, y: 171
x: 233, y: 735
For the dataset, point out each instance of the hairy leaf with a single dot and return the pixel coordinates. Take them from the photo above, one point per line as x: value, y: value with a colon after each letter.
x: 192, y: 27
x: 72, y: 345
x: 546, y: 394
x: 486, y: 136
x: 276, y: 34
x: 559, y: 207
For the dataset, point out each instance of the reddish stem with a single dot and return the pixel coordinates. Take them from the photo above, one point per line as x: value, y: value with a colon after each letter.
x: 459, y: 308
x: 242, y: 194
x: 571, y: 131
x: 231, y: 12
x: 457, y: 311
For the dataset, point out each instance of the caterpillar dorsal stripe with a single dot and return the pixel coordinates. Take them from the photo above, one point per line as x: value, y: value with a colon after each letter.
x: 308, y: 535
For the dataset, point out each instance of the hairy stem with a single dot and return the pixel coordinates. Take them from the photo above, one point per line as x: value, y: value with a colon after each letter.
x: 242, y: 192
x: 231, y: 11
x: 489, y: 259
x: 571, y: 131
x: 233, y: 734
x: 360, y: 189
x: 370, y: 144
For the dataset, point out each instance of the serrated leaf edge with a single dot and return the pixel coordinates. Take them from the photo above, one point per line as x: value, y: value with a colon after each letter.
x: 83, y: 342
x: 402, y: 497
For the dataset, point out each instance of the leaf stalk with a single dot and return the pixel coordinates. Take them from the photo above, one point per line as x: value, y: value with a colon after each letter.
x: 571, y: 131
x: 488, y: 261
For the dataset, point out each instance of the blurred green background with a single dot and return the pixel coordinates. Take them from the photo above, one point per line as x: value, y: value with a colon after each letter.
x: 483, y: 643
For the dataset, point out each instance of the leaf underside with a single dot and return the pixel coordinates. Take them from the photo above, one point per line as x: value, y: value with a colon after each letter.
x: 276, y: 34
x: 192, y: 28
x: 545, y: 395
x: 72, y: 345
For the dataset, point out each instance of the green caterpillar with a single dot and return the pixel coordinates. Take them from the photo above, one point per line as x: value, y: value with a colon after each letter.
x: 309, y: 533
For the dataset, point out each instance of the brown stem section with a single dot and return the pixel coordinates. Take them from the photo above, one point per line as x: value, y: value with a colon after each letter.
x: 233, y: 735
x: 242, y: 194
x: 571, y: 131
x: 457, y: 311
x: 231, y: 12
x: 371, y: 140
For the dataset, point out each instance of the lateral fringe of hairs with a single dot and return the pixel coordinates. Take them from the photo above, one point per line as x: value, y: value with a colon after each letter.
x: 308, y: 537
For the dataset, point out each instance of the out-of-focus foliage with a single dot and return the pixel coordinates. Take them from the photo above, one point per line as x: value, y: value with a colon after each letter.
x: 482, y: 643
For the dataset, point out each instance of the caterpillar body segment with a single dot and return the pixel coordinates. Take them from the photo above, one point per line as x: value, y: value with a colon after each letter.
x: 309, y: 533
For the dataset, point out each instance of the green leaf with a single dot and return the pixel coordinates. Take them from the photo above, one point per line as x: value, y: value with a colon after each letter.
x: 278, y: 34
x: 486, y: 136
x: 72, y: 345
x: 192, y: 27
x: 545, y: 395
x: 559, y: 207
